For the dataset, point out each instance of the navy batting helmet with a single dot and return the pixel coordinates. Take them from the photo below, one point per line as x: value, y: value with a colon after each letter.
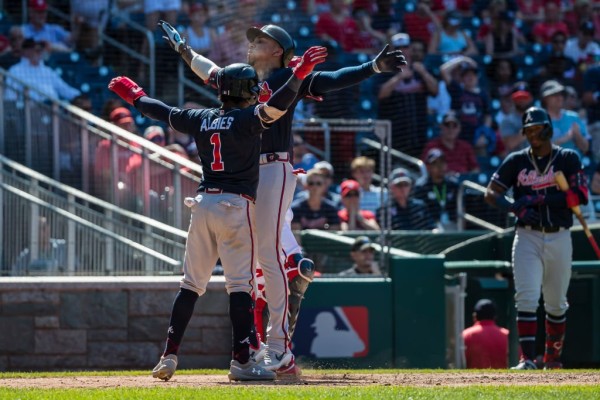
x: 279, y: 35
x: 238, y: 80
x: 538, y: 116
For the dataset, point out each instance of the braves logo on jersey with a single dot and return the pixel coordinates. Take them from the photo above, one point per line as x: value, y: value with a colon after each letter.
x: 537, y: 182
x: 265, y: 92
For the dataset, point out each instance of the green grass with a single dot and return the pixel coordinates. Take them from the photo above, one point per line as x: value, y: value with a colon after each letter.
x: 305, y: 393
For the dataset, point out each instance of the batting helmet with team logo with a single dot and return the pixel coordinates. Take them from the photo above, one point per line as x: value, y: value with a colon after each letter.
x: 238, y: 80
x: 538, y: 116
x: 279, y: 35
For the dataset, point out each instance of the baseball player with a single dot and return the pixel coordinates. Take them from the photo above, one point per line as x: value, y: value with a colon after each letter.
x: 223, y: 213
x: 270, y: 51
x: 542, y: 247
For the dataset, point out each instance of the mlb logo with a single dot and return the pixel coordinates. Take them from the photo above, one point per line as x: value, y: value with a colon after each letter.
x: 332, y: 332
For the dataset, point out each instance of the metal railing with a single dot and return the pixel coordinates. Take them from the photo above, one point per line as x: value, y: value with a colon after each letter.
x: 77, y: 148
x: 183, y: 82
x: 462, y: 216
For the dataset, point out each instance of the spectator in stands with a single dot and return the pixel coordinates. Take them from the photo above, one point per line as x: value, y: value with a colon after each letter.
x: 471, y: 103
x: 591, y: 101
x: 331, y: 192
x: 198, y: 34
x: 405, y: 211
x: 573, y: 103
x: 155, y: 134
x: 33, y: 72
x: 361, y: 170
x: 15, y: 51
x: 88, y: 20
x: 367, y: 40
x: 503, y: 73
x: 504, y: 38
x: 51, y: 256
x: 486, y: 344
x: 403, y: 100
x: 439, y: 192
x: 352, y: 217
x: 510, y: 126
x: 338, y: 27
x: 302, y: 159
x: 579, y: 12
x: 421, y: 23
x: 582, y: 49
x: 315, y: 211
x: 569, y: 131
x: 230, y: 44
x: 55, y: 37
x: 451, y: 39
x: 458, y: 153
x: 530, y: 11
x: 362, y: 253
x: 544, y: 31
x: 556, y: 65
x: 385, y: 18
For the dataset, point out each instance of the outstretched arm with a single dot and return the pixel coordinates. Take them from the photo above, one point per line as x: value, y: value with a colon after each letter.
x: 201, y: 65
x: 386, y: 61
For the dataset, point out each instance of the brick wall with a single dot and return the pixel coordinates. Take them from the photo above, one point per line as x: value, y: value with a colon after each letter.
x: 66, y: 323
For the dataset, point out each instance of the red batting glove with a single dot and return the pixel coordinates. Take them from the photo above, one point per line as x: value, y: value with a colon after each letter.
x: 572, y: 199
x: 311, y: 57
x: 299, y: 171
x: 126, y: 89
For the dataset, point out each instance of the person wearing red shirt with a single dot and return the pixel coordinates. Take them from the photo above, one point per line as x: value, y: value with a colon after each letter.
x: 337, y: 25
x: 486, y: 344
x: 351, y: 216
x: 459, y: 154
x: 421, y: 23
x: 543, y: 31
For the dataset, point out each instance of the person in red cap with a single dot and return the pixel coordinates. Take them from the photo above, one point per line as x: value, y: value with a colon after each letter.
x: 55, y: 37
x: 510, y: 127
x: 121, y: 117
x: 351, y: 216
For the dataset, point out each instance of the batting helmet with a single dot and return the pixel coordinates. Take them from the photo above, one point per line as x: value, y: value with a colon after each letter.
x: 279, y: 35
x: 238, y: 80
x: 538, y: 116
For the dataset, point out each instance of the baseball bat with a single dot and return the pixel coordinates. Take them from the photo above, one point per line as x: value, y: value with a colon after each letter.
x: 561, y: 181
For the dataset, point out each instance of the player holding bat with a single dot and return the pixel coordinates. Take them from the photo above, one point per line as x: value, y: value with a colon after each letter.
x: 542, y: 248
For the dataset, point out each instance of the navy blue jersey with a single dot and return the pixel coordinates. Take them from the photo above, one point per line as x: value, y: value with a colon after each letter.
x: 519, y: 172
x: 228, y: 142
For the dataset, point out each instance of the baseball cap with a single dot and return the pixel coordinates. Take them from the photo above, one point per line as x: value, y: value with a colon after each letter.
x: 400, y: 175
x: 31, y: 43
x: 324, y: 165
x: 466, y: 67
x: 197, y: 6
x: 153, y: 132
x: 401, y: 40
x: 362, y: 243
x: 433, y: 155
x: 485, y: 309
x: 120, y: 115
x: 450, y: 116
x: 520, y: 93
x: 38, y: 5
x: 348, y: 186
x: 551, y: 87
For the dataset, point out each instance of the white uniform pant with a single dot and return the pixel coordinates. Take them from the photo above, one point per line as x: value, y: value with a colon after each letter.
x: 221, y: 226
x: 542, y: 264
x: 275, y: 194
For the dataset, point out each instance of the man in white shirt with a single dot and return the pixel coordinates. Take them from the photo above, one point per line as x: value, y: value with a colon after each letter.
x: 583, y: 48
x: 32, y: 71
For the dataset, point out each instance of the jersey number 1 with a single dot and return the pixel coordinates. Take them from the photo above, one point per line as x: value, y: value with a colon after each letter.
x: 217, y: 164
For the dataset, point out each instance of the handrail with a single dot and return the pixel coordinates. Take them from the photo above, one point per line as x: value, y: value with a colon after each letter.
x: 461, y: 216
x: 403, y: 156
x: 183, y: 82
x: 91, y: 199
x: 147, y: 251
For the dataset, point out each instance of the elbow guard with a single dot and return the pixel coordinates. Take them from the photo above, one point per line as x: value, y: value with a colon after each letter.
x: 269, y: 114
x: 201, y: 66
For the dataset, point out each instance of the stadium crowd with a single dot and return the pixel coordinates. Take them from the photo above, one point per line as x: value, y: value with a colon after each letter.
x: 474, y: 67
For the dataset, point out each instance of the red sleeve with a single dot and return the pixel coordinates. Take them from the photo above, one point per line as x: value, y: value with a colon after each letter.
x: 472, y: 160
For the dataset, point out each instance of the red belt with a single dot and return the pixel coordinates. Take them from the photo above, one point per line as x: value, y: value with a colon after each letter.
x: 219, y: 191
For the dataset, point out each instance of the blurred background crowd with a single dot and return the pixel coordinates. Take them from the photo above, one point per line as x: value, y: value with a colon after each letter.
x: 473, y: 67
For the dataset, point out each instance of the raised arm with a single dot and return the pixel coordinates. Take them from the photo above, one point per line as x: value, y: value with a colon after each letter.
x: 201, y: 65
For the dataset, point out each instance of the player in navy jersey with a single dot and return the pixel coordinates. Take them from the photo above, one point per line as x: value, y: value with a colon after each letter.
x: 542, y: 248
x: 223, y: 213
x: 270, y: 50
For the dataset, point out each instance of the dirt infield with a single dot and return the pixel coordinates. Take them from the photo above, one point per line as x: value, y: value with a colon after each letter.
x: 322, y: 379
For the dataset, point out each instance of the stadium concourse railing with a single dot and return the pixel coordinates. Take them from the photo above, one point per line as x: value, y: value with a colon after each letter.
x: 79, y: 149
x: 52, y: 229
